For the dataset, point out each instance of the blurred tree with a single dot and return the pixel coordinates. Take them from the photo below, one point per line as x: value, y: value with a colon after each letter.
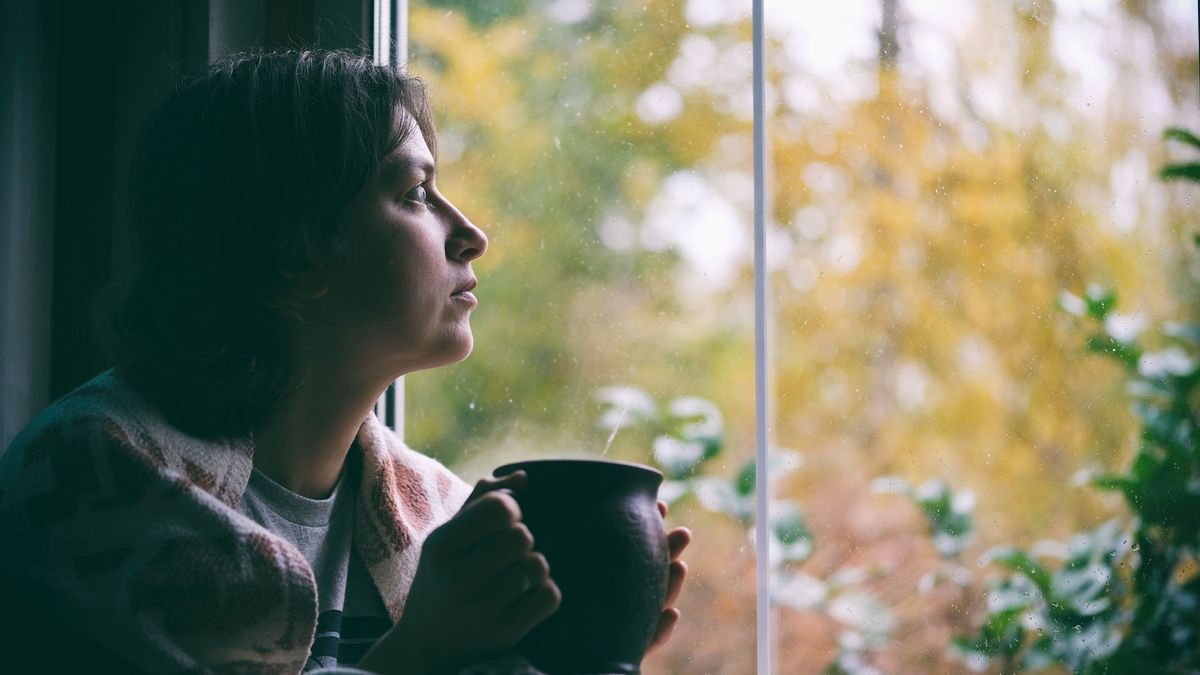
x: 542, y: 145
x: 915, y: 311
x: 927, y: 210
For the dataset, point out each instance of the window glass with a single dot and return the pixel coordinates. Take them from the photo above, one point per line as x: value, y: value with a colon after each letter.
x: 952, y: 185
x: 605, y: 147
x: 944, y: 172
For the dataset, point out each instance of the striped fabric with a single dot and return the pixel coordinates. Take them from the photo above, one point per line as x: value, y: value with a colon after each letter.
x: 346, y: 640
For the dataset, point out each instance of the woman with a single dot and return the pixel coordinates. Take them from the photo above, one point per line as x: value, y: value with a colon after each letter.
x: 224, y: 499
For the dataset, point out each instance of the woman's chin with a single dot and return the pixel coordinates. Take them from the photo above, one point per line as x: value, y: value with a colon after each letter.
x: 452, y: 351
x: 463, y: 352
x: 450, y: 348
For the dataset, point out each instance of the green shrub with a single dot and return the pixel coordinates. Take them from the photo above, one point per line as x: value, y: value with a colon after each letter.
x: 1125, y: 597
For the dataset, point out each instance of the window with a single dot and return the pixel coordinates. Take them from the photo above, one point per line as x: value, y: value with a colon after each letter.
x: 605, y: 147
x: 940, y: 173
x: 943, y: 173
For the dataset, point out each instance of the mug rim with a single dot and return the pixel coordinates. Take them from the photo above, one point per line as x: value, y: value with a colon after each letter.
x: 505, y: 469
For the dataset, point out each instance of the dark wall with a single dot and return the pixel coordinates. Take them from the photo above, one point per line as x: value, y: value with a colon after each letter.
x: 76, y: 81
x: 26, y: 211
x: 112, y: 60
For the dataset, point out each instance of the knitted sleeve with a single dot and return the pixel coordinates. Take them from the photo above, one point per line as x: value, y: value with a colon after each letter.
x: 111, y: 545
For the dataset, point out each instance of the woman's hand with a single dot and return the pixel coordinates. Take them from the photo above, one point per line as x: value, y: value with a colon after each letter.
x: 479, y: 588
x: 677, y: 540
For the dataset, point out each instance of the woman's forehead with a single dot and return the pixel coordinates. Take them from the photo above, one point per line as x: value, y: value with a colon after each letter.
x: 412, y: 155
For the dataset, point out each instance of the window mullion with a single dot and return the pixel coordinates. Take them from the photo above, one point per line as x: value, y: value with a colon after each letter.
x: 761, y: 389
x: 390, y: 48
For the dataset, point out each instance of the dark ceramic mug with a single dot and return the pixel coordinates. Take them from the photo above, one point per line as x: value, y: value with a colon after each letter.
x: 598, y: 524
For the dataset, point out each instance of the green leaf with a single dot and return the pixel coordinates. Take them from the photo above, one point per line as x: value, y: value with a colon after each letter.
x: 1144, y: 467
x: 949, y: 517
x: 678, y: 458
x: 1082, y: 586
x: 793, y: 541
x: 1039, y: 656
x: 693, y: 418
x: 1072, y: 304
x: 1189, y: 171
x: 1100, y: 301
x: 625, y: 407
x: 1182, y: 135
x: 789, y: 526
x: 674, y: 490
x: 719, y: 495
x: 1020, y: 561
x: 1000, y: 635
x: 744, y: 483
x: 934, y: 500
x: 1187, y: 332
x: 1160, y: 490
x: 1106, y: 345
x: 1111, y: 481
x: 1166, y: 428
x: 712, y: 447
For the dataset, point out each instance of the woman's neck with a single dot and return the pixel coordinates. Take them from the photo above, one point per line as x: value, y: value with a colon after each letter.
x: 304, y: 443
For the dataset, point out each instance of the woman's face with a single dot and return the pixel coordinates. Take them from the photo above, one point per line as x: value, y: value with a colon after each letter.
x: 401, y: 301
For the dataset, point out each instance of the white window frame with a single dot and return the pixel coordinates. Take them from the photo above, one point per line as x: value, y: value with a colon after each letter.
x: 389, y: 47
x: 762, y: 425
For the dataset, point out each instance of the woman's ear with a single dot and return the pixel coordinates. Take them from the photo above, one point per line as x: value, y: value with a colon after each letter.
x: 302, y: 269
x: 306, y: 283
x: 316, y: 292
x: 298, y: 295
x: 312, y: 291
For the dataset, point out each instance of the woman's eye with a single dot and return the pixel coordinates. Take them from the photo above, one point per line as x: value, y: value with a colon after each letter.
x: 418, y: 195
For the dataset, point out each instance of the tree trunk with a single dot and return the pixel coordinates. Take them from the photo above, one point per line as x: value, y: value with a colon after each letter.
x: 889, y: 44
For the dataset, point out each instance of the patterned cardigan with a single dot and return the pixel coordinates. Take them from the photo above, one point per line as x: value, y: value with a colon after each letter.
x: 121, y: 528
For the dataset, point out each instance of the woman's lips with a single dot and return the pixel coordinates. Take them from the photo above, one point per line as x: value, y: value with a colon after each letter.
x: 467, y: 297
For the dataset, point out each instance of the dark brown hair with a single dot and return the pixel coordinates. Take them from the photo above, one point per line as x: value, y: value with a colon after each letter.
x: 237, y: 187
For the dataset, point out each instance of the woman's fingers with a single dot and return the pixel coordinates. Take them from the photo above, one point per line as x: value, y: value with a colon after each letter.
x: 515, y: 482
x: 677, y: 540
x: 490, y: 508
x: 487, y: 514
x: 496, y: 593
x: 532, y: 608
x: 666, y: 625
x: 497, y: 551
x: 675, y: 577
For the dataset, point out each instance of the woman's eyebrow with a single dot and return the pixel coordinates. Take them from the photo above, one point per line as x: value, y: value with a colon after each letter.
x: 402, y: 167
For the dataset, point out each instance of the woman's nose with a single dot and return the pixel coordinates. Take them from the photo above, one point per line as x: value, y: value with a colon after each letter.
x: 466, y: 241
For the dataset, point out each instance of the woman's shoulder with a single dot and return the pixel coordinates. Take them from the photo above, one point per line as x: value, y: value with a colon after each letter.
x: 105, y: 508
x: 106, y: 426
x: 95, y: 410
